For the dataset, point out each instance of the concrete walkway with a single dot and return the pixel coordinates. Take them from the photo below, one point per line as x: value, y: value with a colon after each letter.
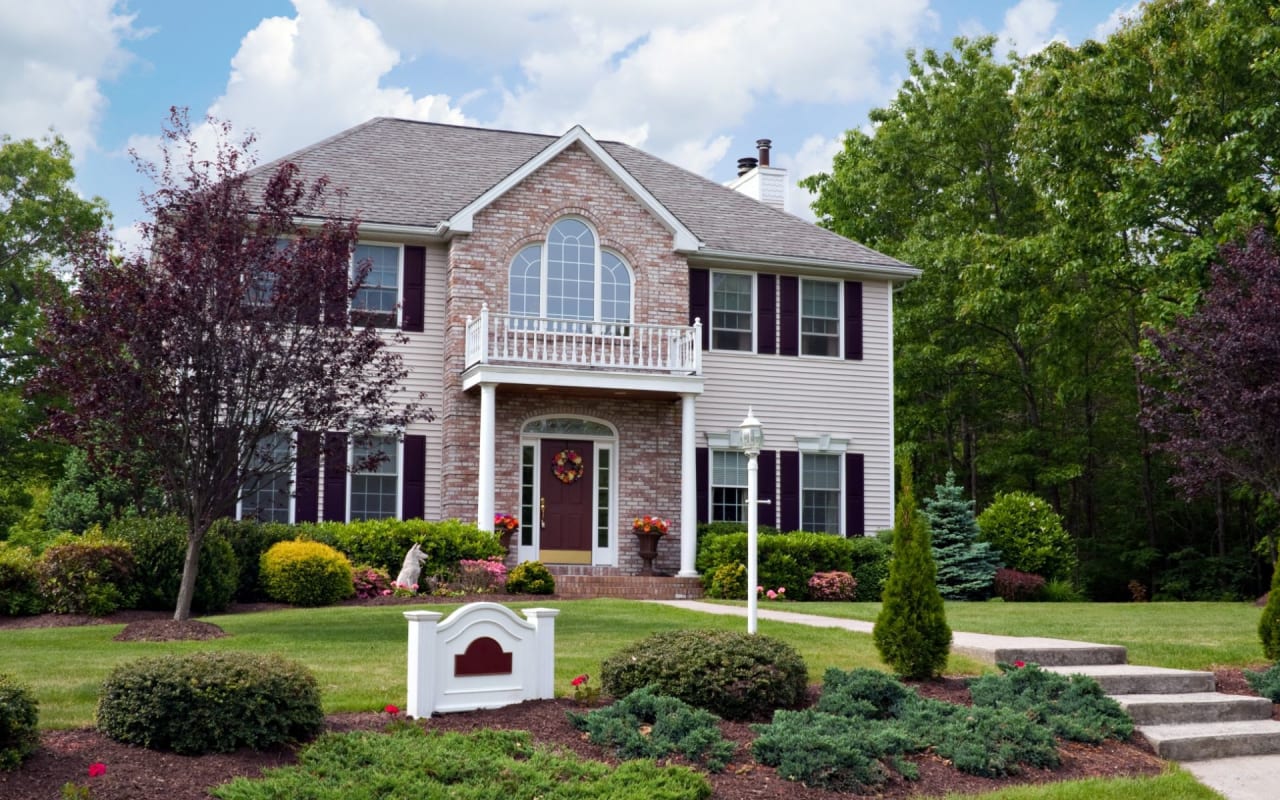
x: 1241, y: 778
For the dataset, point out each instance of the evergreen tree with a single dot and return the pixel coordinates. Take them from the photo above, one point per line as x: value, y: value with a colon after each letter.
x: 911, y: 631
x: 1269, y: 625
x: 966, y: 567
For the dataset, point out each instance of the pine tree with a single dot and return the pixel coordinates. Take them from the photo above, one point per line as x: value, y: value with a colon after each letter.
x: 1269, y: 625
x: 966, y: 567
x: 911, y: 631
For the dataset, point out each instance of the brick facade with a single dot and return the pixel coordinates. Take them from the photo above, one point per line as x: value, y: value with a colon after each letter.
x: 648, y: 447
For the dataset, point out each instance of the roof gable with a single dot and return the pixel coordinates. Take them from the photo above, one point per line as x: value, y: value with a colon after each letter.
x: 683, y: 238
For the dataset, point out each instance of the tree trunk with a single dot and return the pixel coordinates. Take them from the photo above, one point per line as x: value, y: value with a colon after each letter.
x: 190, y: 567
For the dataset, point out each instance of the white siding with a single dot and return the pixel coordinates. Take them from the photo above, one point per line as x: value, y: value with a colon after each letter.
x: 809, y: 396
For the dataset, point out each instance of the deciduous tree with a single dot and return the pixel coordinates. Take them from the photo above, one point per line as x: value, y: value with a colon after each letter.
x: 232, y: 329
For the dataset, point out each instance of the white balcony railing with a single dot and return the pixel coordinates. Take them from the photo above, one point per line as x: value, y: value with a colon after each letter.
x: 512, y: 339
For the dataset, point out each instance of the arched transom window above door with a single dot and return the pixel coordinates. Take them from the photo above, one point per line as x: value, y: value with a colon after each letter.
x: 569, y: 276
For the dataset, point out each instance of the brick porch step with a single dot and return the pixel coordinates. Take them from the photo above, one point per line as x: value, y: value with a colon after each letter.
x: 629, y: 587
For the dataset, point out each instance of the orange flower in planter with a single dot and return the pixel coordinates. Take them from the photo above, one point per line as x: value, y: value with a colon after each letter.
x: 650, y: 524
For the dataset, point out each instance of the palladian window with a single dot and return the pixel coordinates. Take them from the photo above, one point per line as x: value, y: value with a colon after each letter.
x: 569, y: 277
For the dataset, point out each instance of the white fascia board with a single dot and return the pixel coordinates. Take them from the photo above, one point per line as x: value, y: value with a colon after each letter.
x: 582, y: 379
x: 836, y: 269
x: 385, y: 229
x: 683, y: 238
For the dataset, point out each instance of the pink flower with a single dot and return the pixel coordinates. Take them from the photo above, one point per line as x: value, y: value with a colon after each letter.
x: 759, y: 589
x: 782, y: 590
x: 96, y: 769
x: 386, y: 592
x: 578, y: 681
x: 392, y: 710
x: 1019, y: 664
x: 771, y: 594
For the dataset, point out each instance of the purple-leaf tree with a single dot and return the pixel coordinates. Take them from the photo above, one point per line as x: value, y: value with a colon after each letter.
x: 227, y: 333
x: 1212, y: 388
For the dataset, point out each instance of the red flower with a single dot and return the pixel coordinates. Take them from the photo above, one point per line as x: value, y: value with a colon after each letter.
x: 97, y: 768
x: 1019, y: 664
x: 578, y: 681
x: 390, y: 709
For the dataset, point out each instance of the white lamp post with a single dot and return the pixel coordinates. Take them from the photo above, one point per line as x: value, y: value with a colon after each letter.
x: 752, y: 440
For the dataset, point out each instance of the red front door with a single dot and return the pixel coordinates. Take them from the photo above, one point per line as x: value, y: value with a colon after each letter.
x: 568, y: 468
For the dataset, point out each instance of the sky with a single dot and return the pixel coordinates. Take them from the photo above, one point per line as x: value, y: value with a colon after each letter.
x: 696, y: 82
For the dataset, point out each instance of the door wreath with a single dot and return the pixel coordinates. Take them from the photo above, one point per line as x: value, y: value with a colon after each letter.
x: 567, y: 466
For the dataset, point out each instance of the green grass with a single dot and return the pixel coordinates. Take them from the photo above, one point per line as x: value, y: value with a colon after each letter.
x: 1175, y: 635
x: 358, y: 652
x: 1173, y: 785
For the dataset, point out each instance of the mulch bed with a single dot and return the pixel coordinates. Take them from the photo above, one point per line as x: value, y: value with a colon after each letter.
x: 134, y: 772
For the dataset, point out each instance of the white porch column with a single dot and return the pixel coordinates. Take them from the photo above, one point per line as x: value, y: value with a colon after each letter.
x: 688, y: 489
x: 484, y: 490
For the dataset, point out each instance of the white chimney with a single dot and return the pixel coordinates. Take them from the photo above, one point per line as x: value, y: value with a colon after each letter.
x: 758, y: 180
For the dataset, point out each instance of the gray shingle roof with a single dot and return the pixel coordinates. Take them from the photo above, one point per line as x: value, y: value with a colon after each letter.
x: 405, y: 172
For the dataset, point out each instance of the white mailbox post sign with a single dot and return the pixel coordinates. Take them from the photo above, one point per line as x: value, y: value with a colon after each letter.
x: 482, y: 656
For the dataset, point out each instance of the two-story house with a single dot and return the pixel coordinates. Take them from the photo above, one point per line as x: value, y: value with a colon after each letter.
x: 590, y: 323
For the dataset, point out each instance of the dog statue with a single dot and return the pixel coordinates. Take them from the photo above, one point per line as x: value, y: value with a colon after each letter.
x: 412, y: 567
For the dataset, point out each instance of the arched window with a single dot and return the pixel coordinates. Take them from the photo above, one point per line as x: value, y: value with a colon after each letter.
x: 570, y: 277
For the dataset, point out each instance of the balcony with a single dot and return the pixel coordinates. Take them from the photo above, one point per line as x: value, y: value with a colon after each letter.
x: 564, y: 352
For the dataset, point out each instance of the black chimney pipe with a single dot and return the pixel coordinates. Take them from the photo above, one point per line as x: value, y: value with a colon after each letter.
x: 763, y: 146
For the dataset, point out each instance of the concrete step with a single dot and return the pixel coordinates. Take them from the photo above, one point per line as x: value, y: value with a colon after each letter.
x: 1193, y: 707
x: 1200, y: 741
x: 1035, y: 650
x: 1131, y: 679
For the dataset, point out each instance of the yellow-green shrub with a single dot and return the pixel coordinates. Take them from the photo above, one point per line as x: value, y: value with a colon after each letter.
x: 305, y: 573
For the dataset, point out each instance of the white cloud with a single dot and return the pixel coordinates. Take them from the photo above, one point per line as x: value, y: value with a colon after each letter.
x: 54, y: 56
x: 815, y: 155
x: 1028, y: 26
x: 1118, y: 17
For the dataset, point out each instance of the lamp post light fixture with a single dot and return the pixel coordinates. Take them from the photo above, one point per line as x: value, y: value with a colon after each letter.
x: 752, y: 438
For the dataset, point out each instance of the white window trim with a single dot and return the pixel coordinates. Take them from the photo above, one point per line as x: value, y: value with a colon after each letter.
x: 839, y: 319
x: 597, y: 286
x: 711, y: 310
x: 351, y: 269
x: 711, y: 473
x: 824, y: 444
x: 351, y: 455
x: 293, y: 483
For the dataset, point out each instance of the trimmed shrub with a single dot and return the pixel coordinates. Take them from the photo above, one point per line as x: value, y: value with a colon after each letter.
x: 648, y: 725
x: 821, y: 750
x: 531, y: 577
x: 911, y: 630
x: 1266, y: 684
x: 304, y: 573
x: 785, y: 559
x: 1015, y: 586
x: 871, y: 556
x: 1029, y: 535
x: 159, y: 547
x: 249, y: 539
x: 734, y: 675
x: 370, y: 581
x: 213, y: 702
x: 862, y: 693
x: 728, y: 581
x: 19, y: 723
x: 382, y: 543
x: 1073, y: 707
x: 832, y: 586
x: 1269, y: 625
x: 985, y: 741
x: 480, y: 575
x: 19, y: 582
x: 966, y: 566
x: 91, y: 576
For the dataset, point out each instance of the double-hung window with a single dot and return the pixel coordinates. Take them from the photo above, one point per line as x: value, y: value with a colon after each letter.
x: 376, y: 301
x: 819, y: 318
x: 570, y: 277
x: 375, y: 489
x: 728, y: 486
x: 731, y: 311
x: 820, y: 483
x: 266, y: 491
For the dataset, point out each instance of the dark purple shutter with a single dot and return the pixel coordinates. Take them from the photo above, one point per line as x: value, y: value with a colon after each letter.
x: 853, y: 320
x: 415, y: 276
x: 789, y: 315
x: 790, y: 519
x: 306, y: 492
x: 702, y: 471
x: 700, y: 302
x: 335, y: 477
x: 766, y: 303
x: 854, y: 495
x: 413, y: 501
x: 767, y: 508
